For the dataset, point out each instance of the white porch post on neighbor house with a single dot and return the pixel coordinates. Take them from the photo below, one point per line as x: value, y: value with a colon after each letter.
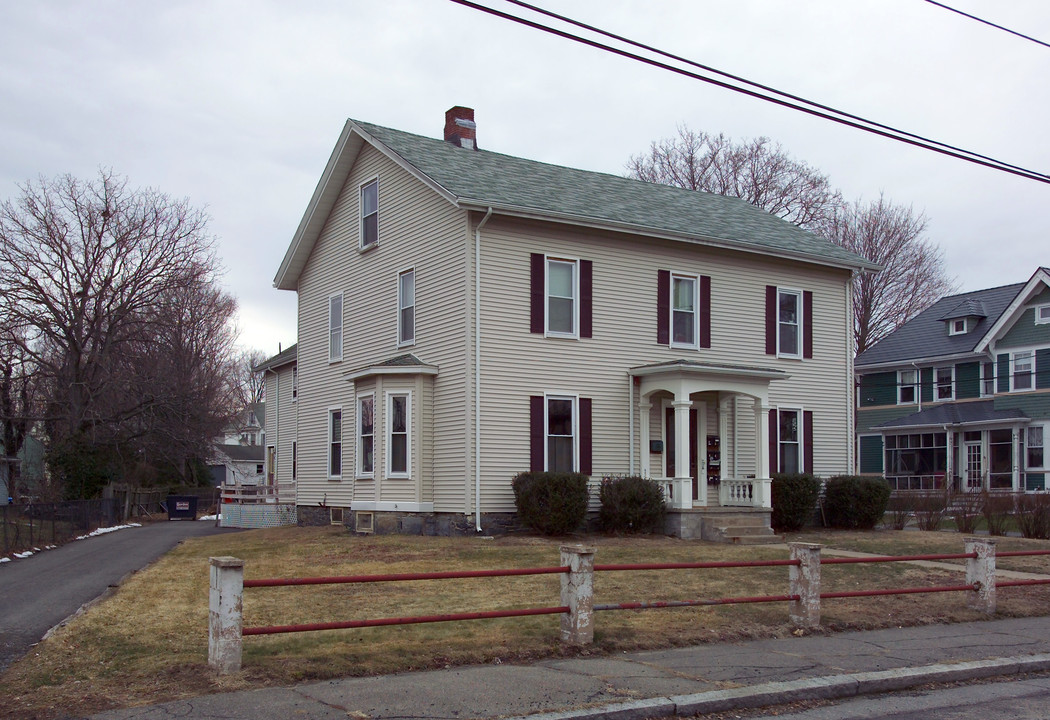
x: 683, y: 481
x: 949, y: 459
x: 761, y: 440
x: 643, y: 417
x: 1015, y: 454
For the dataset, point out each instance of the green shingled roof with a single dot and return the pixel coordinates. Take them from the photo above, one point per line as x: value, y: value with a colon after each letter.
x: 484, y: 178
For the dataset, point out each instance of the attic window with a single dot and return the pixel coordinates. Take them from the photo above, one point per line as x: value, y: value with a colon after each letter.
x: 370, y: 214
x: 957, y: 327
x: 1042, y: 314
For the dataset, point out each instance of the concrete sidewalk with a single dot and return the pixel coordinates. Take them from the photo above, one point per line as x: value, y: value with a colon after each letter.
x: 685, y: 681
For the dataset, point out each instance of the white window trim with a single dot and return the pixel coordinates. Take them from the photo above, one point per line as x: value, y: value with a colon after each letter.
x: 1013, y: 369
x: 965, y: 327
x: 695, y: 345
x: 575, y: 262
x: 412, y: 340
x: 361, y: 214
x: 1039, y: 309
x: 332, y: 357
x: 330, y: 440
x: 575, y: 398
x: 994, y: 379
x: 387, y: 444
x: 1045, y: 467
x: 798, y: 327
x: 937, y: 385
x: 801, y: 416
x: 901, y: 385
x: 295, y: 384
x: 359, y: 437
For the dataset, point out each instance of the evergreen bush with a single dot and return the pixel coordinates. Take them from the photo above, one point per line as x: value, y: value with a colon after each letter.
x: 631, y: 504
x: 551, y: 503
x: 855, y: 502
x: 794, y: 498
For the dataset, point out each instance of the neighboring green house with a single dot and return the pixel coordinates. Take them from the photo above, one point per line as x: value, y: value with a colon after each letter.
x: 961, y: 393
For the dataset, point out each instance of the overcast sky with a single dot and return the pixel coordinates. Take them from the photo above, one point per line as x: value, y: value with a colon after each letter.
x: 237, y: 105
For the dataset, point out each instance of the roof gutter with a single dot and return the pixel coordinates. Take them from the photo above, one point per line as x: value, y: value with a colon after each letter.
x: 477, y: 370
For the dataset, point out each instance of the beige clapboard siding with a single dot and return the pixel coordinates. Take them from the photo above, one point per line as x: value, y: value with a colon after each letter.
x: 420, y: 230
x: 517, y: 363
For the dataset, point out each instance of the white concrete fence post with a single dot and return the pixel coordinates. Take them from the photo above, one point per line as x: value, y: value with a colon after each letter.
x: 577, y: 592
x: 804, y: 580
x: 980, y: 571
x: 224, y: 614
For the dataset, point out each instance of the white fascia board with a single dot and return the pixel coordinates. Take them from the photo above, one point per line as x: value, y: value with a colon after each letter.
x: 1008, y: 316
x: 634, y: 229
x: 955, y: 426
x: 391, y: 370
x: 686, y: 370
x: 907, y: 364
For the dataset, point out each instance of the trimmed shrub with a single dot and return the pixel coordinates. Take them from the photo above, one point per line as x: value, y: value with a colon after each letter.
x: 551, y: 503
x: 631, y: 505
x: 1033, y: 515
x: 855, y: 502
x: 794, y: 498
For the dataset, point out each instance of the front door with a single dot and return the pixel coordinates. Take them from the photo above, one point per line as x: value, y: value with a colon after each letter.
x: 972, y: 466
x: 697, y: 454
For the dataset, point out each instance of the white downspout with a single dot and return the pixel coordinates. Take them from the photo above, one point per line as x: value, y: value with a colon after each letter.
x: 477, y: 370
x: 918, y: 384
x: 630, y: 421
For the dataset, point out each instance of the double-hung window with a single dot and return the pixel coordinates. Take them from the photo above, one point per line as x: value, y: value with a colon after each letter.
x: 335, y: 327
x: 406, y: 307
x: 987, y: 379
x: 907, y: 387
x: 1023, y: 362
x: 370, y: 214
x: 789, y: 323
x: 1042, y: 314
x: 1035, y: 436
x: 561, y: 436
x: 945, y: 380
x: 335, y: 443
x: 366, y: 436
x: 789, y: 445
x: 399, y: 424
x: 562, y: 306
x: 684, y: 311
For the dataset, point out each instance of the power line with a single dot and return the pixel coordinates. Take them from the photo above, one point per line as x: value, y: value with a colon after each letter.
x: 807, y: 107
x: 987, y: 22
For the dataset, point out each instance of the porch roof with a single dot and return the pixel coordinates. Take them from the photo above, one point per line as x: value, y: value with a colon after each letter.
x: 956, y: 414
x: 708, y: 368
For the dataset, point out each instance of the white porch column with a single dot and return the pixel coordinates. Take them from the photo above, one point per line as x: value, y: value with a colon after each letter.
x: 761, y: 440
x: 949, y: 460
x: 644, y: 418
x: 1015, y: 452
x: 683, y: 481
x: 724, y: 404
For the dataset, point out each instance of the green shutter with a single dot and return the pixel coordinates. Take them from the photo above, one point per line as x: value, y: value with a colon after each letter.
x: 1042, y: 368
x: 927, y: 384
x: 1002, y: 372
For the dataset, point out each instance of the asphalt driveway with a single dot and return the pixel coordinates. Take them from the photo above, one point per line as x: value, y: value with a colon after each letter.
x: 41, y: 591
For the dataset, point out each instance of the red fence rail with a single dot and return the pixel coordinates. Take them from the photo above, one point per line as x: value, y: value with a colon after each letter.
x: 577, y: 570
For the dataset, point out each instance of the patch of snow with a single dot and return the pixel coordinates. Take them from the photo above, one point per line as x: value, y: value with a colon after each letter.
x: 210, y: 517
x: 3, y: 560
x: 23, y: 555
x: 103, y: 531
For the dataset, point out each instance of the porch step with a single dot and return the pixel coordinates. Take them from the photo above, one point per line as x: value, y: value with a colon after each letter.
x: 750, y: 535
x: 726, y: 525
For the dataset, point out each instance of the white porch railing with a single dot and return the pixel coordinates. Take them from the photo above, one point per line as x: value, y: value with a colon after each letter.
x: 732, y: 492
x: 249, y: 494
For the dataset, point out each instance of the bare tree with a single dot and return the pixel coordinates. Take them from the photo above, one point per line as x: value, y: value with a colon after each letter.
x: 913, y: 277
x: 88, y: 271
x: 251, y: 384
x: 758, y: 171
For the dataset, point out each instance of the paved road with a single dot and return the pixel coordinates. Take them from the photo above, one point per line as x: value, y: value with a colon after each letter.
x: 41, y: 591
x: 1026, y: 699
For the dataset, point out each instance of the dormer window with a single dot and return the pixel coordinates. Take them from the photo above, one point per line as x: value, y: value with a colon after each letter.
x: 1042, y: 314
x: 957, y: 327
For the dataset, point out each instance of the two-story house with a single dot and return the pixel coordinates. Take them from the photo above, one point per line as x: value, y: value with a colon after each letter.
x: 466, y: 315
x: 959, y: 397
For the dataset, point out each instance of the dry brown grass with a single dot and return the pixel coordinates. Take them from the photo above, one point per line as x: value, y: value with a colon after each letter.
x: 148, y: 643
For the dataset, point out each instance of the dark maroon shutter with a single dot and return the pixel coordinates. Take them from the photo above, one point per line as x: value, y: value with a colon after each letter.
x: 771, y: 320
x: 585, y: 436
x: 586, y: 297
x: 774, y: 456
x: 705, y: 311
x: 807, y: 440
x: 536, y: 313
x: 536, y: 433
x: 663, y: 307
x: 807, y: 325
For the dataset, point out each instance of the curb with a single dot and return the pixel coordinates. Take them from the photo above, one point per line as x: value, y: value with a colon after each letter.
x: 822, y: 688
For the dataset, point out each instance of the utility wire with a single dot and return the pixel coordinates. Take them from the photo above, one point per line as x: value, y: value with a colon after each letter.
x: 987, y: 22
x: 840, y: 118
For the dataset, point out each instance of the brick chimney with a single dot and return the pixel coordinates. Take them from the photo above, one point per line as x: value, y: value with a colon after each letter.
x: 460, y: 129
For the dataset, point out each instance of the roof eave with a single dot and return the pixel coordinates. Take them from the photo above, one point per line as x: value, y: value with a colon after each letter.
x: 1006, y: 316
x: 635, y: 229
x: 907, y: 362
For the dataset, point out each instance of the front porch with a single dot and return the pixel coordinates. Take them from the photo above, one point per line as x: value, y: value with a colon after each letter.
x: 704, y: 434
